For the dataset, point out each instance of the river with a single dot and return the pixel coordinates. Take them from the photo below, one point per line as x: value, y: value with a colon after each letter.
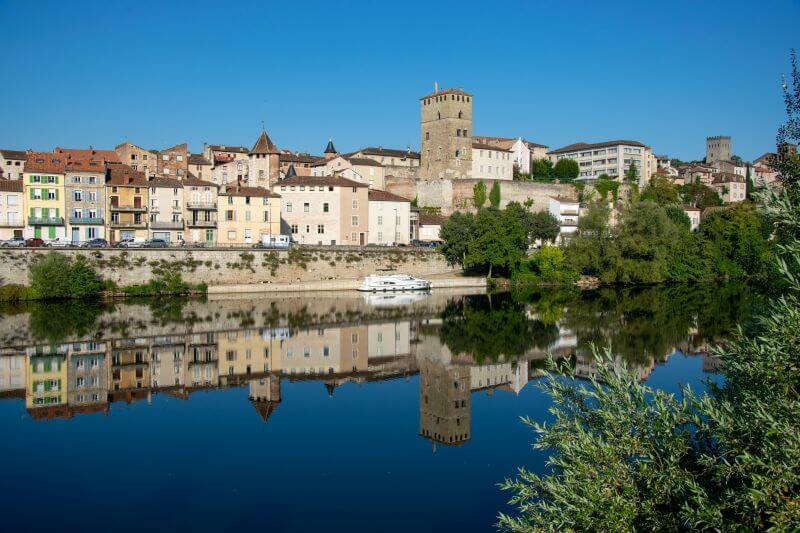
x: 307, y: 412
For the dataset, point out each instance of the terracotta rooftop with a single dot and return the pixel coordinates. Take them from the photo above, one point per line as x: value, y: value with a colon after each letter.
x: 591, y: 146
x: 44, y: 162
x: 165, y: 183
x: 389, y: 152
x: 289, y: 157
x: 727, y: 177
x: 194, y: 181
x: 244, y: 190
x: 264, y: 145
x: 376, y: 195
x: 86, y: 165
x: 225, y: 148
x: 14, y: 154
x: 124, y: 175
x: 10, y: 185
x: 90, y: 153
x: 426, y: 219
x: 484, y: 146
x: 198, y: 159
x: 363, y: 161
x: 324, y: 181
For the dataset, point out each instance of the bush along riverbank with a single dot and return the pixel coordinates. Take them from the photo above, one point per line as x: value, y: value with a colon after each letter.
x: 55, y: 276
x: 648, y: 241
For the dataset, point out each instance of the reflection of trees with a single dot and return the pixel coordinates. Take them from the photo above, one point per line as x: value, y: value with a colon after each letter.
x: 488, y: 328
x: 59, y: 320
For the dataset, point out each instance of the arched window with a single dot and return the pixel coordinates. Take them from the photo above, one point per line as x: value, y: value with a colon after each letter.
x: 460, y: 114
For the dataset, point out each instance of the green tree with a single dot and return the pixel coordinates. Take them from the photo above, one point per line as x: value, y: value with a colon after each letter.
x: 494, y: 195
x: 566, y: 170
x: 632, y: 174
x: 604, y: 185
x: 542, y: 169
x: 660, y: 190
x: 479, y: 195
x: 678, y: 217
x: 699, y: 195
x: 456, y: 233
x: 498, y: 243
x: 537, y: 226
x: 57, y: 276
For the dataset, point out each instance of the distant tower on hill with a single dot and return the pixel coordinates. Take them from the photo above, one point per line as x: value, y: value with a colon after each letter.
x: 445, y: 134
x: 718, y: 148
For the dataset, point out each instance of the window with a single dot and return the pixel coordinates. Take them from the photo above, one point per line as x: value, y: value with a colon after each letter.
x: 77, y: 195
x: 354, y: 220
x: 247, y: 216
x: 320, y: 228
x: 355, y: 203
x: 230, y: 215
x: 380, y: 221
x: 306, y: 207
x: 289, y: 207
x: 266, y: 216
x: 232, y: 235
x: 165, y: 157
x: 325, y: 207
x: 179, y: 157
x: 294, y: 228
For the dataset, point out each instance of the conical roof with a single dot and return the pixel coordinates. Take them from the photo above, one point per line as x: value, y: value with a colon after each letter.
x: 264, y: 145
x: 330, y: 149
x: 290, y: 172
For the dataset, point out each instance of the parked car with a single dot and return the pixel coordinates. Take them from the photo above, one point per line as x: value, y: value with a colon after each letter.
x: 17, y: 242
x: 34, y: 242
x: 281, y: 242
x: 138, y: 242
x: 95, y: 243
x: 156, y: 243
x: 58, y: 243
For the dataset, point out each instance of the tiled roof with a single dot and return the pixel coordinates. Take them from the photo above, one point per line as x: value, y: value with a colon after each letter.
x: 376, y: 195
x: 389, y: 152
x: 727, y: 177
x: 264, y: 145
x: 484, y: 146
x: 14, y: 154
x: 244, y: 190
x: 198, y: 159
x: 431, y: 220
x: 330, y: 149
x: 124, y: 175
x: 86, y: 165
x: 324, y: 181
x: 590, y: 146
x: 565, y: 199
x: 363, y: 162
x: 165, y: 183
x: 194, y: 181
x: 225, y: 148
x: 10, y: 185
x: 176, y: 148
x: 90, y: 153
x: 289, y: 157
x: 44, y: 162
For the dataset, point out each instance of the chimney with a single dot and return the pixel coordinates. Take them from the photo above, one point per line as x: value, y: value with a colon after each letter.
x: 436, y: 87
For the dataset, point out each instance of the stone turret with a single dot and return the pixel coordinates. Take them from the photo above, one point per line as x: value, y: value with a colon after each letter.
x: 264, y: 162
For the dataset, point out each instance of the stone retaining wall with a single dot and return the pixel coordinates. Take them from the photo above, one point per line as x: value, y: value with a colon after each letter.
x: 236, y: 267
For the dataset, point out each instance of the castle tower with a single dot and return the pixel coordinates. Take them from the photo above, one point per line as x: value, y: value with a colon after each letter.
x: 446, y: 134
x: 264, y: 162
x: 718, y: 149
x: 330, y: 151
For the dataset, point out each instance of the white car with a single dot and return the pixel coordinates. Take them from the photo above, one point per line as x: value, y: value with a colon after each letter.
x: 15, y: 242
x: 58, y: 243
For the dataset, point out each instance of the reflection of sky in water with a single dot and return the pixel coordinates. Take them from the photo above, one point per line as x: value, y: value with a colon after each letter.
x: 320, y: 460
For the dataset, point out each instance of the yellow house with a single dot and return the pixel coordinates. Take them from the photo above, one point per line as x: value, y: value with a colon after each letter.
x: 126, y: 194
x: 46, y: 378
x: 245, y: 214
x: 43, y: 196
x: 247, y: 352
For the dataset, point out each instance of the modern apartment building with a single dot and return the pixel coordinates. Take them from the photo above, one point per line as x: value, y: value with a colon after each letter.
x: 491, y: 162
x: 246, y: 214
x: 325, y: 209
x: 12, y: 164
x: 11, y: 206
x: 165, y: 209
x: 126, y: 193
x: 389, y: 218
x: 200, y: 214
x: 85, y: 199
x: 44, y: 196
x: 613, y: 158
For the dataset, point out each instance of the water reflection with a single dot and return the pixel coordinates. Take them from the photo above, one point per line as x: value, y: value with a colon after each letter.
x: 64, y: 365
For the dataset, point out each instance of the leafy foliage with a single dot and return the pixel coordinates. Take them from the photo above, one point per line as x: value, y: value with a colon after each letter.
x: 57, y: 276
x: 545, y: 266
x: 479, y: 195
x: 699, y: 195
x: 566, y: 170
x: 498, y: 242
x: 455, y: 234
x: 542, y: 170
x: 494, y: 195
x: 660, y: 190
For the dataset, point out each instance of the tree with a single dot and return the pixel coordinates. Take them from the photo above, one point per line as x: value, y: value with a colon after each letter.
x: 566, y: 169
x: 678, y: 217
x: 736, y: 158
x: 699, y: 195
x: 660, y: 190
x: 542, y: 170
x: 498, y: 242
x: 494, y: 195
x: 456, y: 233
x: 537, y: 226
x: 57, y: 276
x: 632, y: 174
x: 479, y: 195
x: 604, y: 185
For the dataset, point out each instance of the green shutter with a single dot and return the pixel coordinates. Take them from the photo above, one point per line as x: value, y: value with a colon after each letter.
x: 31, y: 189
x: 33, y: 211
x: 56, y: 180
x: 51, y: 232
x: 56, y: 194
x: 57, y: 211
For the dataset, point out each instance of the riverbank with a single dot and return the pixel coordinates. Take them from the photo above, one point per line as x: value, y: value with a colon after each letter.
x: 450, y: 282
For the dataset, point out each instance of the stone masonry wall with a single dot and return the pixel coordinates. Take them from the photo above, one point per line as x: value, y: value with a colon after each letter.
x: 229, y: 267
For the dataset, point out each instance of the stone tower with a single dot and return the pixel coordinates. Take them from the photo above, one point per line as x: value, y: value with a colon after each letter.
x: 446, y: 134
x: 264, y: 162
x: 718, y: 149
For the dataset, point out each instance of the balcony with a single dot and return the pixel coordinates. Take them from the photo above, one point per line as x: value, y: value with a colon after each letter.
x: 45, y: 221
x: 201, y: 205
x: 201, y: 223
x: 166, y: 224
x: 93, y: 221
x: 129, y: 208
x: 128, y: 224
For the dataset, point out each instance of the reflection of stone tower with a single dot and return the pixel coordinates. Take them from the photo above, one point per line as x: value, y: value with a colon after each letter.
x: 718, y: 149
x: 446, y: 134
x: 264, y: 164
x: 265, y: 395
x: 444, y: 408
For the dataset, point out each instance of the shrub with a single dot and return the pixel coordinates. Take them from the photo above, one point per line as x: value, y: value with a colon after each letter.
x: 57, y: 276
x: 546, y: 266
x: 14, y: 293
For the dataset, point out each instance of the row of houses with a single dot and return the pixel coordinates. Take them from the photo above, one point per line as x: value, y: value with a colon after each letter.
x: 79, y: 195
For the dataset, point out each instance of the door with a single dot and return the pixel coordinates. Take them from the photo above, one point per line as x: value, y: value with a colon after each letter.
x: 76, y: 234
x: 37, y: 232
x: 361, y: 239
x: 51, y: 232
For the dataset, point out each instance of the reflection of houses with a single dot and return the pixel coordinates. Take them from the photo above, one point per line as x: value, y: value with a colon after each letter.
x: 168, y: 364
x: 324, y: 351
x: 130, y: 376
x: 87, y: 377
x: 12, y: 373
x: 46, y: 381
x: 202, y: 353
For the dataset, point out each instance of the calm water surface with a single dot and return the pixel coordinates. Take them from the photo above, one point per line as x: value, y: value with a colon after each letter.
x: 303, y: 413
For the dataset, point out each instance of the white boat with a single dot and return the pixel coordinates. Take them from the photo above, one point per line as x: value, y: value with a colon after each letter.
x: 395, y: 299
x: 393, y: 283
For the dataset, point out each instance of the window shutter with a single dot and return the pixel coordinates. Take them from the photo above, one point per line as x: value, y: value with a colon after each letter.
x: 56, y: 194
x: 31, y: 189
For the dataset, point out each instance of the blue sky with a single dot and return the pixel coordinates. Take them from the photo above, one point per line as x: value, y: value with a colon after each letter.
x: 555, y: 72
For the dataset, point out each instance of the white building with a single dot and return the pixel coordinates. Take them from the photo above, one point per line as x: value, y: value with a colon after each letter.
x: 166, y: 210
x: 730, y: 187
x: 566, y: 211
x: 694, y: 217
x: 389, y: 218
x: 11, y: 223
x: 611, y: 157
x: 361, y: 169
x: 492, y: 162
x: 12, y: 164
x: 429, y: 227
